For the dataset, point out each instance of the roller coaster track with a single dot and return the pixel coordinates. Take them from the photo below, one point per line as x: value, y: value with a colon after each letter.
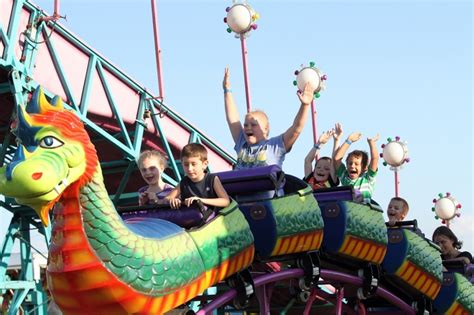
x: 262, y: 281
x: 121, y: 116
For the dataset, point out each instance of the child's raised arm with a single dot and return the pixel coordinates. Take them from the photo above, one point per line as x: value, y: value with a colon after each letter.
x: 290, y: 136
x: 374, y: 155
x: 311, y: 156
x: 353, y: 137
x: 336, y: 135
x: 231, y: 111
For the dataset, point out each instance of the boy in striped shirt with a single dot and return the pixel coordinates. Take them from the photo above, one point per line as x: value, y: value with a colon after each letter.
x: 358, y: 171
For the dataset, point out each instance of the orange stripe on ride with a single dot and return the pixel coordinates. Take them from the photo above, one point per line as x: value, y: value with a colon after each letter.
x: 317, y: 240
x: 357, y: 248
x: 297, y: 243
x: 284, y: 247
x: 380, y: 254
x: 349, y: 246
x: 427, y: 285
x: 434, y: 289
x: 419, y: 279
x: 371, y: 253
x: 364, y: 250
x: 292, y: 246
x: 344, y: 245
x: 303, y: 244
x: 456, y: 309
x: 277, y: 248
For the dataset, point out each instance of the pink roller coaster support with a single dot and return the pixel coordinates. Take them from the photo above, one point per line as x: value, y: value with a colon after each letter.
x: 157, y: 50
x: 397, y: 183
x: 313, y: 119
x: 246, y: 75
x: 55, y: 15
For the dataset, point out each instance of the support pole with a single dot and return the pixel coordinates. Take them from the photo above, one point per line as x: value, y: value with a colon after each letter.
x: 397, y: 182
x: 313, y: 119
x: 340, y: 296
x: 157, y: 50
x: 55, y: 15
x: 246, y: 76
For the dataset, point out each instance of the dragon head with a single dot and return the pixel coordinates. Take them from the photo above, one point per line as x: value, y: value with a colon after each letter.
x: 54, y: 156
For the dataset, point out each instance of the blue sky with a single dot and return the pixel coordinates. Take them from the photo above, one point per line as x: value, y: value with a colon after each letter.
x: 398, y: 68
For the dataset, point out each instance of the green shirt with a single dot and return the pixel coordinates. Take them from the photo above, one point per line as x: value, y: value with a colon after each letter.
x: 365, y: 183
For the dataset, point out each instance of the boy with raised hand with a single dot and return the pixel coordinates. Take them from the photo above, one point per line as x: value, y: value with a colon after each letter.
x: 358, y: 171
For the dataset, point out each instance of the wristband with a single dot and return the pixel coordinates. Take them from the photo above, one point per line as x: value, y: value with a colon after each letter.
x: 317, y: 146
x: 227, y: 91
x: 349, y: 142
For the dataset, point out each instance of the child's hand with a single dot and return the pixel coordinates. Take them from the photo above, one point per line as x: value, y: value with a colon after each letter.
x: 325, y: 137
x: 152, y: 198
x: 355, y: 136
x: 392, y: 221
x: 188, y: 201
x: 143, y: 198
x: 175, y: 203
x: 373, y: 139
x: 337, y: 134
x: 226, y: 81
x: 306, y: 96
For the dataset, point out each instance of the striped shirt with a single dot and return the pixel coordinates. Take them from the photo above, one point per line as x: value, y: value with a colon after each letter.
x: 365, y: 183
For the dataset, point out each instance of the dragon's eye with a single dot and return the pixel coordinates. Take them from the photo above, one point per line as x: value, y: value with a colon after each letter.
x: 50, y: 142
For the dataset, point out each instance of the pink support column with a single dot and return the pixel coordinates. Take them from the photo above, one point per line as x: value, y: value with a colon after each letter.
x: 157, y: 50
x: 55, y: 15
x: 56, y: 8
x: 397, y: 182
x: 246, y: 76
x: 313, y: 118
x: 340, y: 297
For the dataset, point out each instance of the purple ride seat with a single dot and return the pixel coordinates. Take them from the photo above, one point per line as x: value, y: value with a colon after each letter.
x: 184, y: 217
x: 258, y: 182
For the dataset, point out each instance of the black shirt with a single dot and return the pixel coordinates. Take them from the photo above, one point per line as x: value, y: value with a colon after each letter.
x: 203, y: 189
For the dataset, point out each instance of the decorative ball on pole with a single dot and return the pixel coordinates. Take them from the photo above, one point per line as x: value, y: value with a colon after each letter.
x: 395, y: 154
x: 446, y: 208
x: 241, y: 18
x: 312, y: 75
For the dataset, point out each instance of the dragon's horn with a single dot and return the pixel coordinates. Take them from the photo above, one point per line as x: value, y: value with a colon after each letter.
x: 57, y: 102
x: 24, y: 120
x: 17, y: 157
x: 39, y: 104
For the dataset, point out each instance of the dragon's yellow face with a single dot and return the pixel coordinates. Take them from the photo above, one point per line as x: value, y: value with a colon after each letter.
x: 51, y: 155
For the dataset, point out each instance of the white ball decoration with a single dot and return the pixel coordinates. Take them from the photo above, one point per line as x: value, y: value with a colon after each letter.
x: 395, y: 153
x: 311, y: 75
x: 445, y: 208
x: 239, y: 18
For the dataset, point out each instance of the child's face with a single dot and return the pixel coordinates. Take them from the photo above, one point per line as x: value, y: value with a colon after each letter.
x: 151, y: 170
x: 194, y: 168
x: 354, y: 166
x: 395, y: 211
x: 445, y: 243
x: 255, y: 128
x: 322, y: 170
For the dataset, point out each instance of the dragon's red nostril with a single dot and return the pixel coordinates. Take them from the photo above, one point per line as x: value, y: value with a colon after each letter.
x: 37, y: 175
